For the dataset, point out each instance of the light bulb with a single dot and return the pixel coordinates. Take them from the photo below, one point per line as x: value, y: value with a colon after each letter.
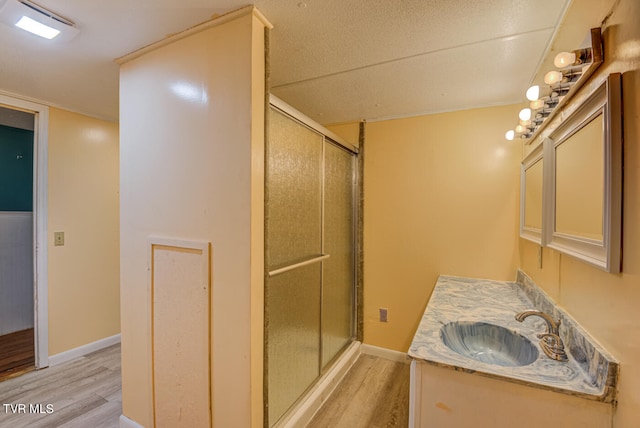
x: 536, y: 105
x: 525, y: 122
x: 510, y: 135
x: 533, y: 93
x: 552, y: 77
x: 520, y: 129
x: 525, y: 114
x: 564, y: 59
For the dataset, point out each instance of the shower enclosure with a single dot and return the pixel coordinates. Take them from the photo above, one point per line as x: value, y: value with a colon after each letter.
x: 310, y: 255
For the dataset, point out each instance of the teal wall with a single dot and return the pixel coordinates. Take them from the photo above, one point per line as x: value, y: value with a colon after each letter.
x: 16, y: 169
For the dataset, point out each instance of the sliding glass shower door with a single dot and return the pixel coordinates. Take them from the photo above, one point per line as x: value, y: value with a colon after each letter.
x: 338, y: 275
x: 309, y: 257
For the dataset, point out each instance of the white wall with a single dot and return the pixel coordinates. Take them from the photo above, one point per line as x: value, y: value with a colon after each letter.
x: 16, y: 271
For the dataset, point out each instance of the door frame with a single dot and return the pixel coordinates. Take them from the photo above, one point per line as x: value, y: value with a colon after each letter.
x: 40, y: 200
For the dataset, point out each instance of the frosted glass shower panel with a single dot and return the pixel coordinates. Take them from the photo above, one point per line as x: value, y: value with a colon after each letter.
x: 294, y: 192
x: 309, y: 212
x: 294, y: 337
x: 338, y: 274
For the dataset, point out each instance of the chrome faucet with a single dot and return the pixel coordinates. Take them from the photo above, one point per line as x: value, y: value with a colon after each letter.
x: 550, y: 342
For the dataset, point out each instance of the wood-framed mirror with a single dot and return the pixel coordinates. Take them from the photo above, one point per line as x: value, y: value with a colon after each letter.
x: 582, y: 214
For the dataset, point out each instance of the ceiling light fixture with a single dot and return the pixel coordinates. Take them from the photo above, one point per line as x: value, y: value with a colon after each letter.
x: 575, y: 67
x: 37, y: 28
x: 37, y: 20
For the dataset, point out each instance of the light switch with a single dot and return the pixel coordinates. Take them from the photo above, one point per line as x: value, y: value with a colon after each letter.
x: 58, y: 238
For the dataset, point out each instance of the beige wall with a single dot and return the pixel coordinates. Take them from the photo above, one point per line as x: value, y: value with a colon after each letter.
x: 83, y: 203
x: 441, y: 197
x: 607, y: 304
x: 192, y: 167
x: 350, y: 132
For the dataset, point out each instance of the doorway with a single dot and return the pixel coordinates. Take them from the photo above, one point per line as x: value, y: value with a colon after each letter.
x: 17, y: 346
x: 23, y: 236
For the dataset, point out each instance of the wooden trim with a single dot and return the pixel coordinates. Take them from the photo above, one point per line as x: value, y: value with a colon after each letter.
x: 606, y: 253
x: 40, y: 215
x: 83, y: 350
x: 388, y: 354
x: 415, y: 394
x: 214, y: 22
x: 531, y: 234
x: 125, y: 422
x: 196, y: 245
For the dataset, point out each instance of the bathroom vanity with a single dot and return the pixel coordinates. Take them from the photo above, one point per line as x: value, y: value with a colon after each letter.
x: 475, y: 365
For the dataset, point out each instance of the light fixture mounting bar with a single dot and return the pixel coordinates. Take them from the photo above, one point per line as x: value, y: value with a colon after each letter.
x: 598, y: 58
x: 47, y: 13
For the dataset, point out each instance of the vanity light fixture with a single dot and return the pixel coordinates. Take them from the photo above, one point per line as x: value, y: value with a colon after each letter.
x: 533, y: 93
x: 536, y: 104
x: 525, y: 114
x: 573, y: 58
x: 564, y: 59
x: 574, y: 68
x: 37, y: 20
x: 553, y: 77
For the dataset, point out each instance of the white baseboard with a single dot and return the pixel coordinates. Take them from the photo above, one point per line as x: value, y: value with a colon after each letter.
x: 303, y: 412
x: 125, y: 422
x: 83, y: 350
x: 388, y: 354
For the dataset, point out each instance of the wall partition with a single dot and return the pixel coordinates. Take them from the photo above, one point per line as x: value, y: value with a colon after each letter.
x: 310, y: 257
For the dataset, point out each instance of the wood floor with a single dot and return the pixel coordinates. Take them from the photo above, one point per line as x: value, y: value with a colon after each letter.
x: 87, y: 392
x: 17, y: 353
x: 82, y: 393
x: 375, y: 393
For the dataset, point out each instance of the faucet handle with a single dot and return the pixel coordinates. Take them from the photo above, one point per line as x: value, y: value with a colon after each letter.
x: 553, y: 347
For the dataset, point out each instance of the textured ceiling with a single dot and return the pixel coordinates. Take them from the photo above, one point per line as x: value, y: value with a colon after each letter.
x: 335, y: 60
x: 345, y: 61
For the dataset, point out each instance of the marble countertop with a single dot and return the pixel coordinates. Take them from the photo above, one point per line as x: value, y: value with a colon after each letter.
x: 497, y: 302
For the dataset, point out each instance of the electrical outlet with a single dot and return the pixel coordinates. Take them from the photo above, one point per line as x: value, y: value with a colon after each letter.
x: 383, y: 314
x: 58, y: 238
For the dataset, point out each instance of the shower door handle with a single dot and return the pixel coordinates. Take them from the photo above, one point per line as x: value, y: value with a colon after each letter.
x: 297, y: 265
